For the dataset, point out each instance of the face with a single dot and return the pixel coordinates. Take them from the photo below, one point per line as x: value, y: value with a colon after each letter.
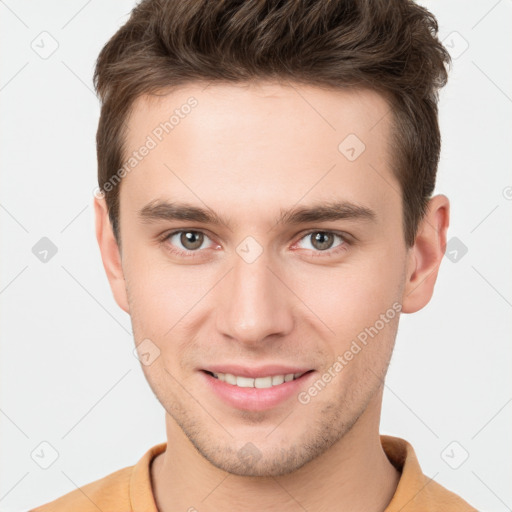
x: 296, y: 265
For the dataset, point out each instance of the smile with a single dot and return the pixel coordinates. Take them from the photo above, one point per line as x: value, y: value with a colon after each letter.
x: 258, y: 382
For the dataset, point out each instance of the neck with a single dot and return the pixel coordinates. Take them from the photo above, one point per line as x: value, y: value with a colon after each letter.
x: 353, y: 475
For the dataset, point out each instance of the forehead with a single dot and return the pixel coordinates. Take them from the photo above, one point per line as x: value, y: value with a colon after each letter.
x: 258, y: 110
x: 235, y: 145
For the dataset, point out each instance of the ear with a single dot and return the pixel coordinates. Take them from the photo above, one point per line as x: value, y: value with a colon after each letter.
x: 110, y: 253
x: 424, y: 257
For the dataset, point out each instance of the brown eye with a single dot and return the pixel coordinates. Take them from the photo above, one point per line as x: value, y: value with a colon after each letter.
x: 188, y: 243
x: 324, y: 241
x: 321, y: 240
x: 191, y: 240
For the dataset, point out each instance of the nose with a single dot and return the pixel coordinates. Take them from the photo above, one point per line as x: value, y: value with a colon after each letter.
x: 254, y: 302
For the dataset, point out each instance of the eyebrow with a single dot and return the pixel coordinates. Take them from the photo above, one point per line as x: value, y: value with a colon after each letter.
x: 320, y: 212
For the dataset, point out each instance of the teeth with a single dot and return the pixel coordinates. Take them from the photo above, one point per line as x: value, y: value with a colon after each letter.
x: 259, y: 382
x: 277, y: 379
x: 263, y: 382
x: 244, y: 382
x: 230, y: 379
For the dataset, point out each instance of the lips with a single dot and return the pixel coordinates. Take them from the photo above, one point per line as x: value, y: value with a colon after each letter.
x: 256, y: 389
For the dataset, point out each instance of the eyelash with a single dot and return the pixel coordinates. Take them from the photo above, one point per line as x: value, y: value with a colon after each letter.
x: 327, y: 253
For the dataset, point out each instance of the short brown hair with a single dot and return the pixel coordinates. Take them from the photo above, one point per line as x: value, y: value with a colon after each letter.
x: 388, y: 46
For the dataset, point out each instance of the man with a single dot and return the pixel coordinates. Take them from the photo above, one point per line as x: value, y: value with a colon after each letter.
x: 264, y: 215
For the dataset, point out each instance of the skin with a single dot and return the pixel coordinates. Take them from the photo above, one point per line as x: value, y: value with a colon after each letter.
x: 248, y: 151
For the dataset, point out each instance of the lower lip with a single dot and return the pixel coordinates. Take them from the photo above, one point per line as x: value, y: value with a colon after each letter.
x: 256, y: 399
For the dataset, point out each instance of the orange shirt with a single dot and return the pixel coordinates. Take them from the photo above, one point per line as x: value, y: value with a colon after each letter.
x: 129, y: 489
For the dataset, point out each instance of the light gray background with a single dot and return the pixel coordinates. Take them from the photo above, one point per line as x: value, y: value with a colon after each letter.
x: 69, y: 377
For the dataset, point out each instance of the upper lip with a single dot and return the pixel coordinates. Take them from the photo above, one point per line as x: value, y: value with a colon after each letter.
x: 256, y: 371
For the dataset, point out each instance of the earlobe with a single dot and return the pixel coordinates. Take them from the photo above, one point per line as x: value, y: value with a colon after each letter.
x: 425, y: 256
x: 110, y: 253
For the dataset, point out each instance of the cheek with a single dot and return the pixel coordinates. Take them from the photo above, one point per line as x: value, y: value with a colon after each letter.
x: 362, y: 313
x: 158, y: 311
x: 356, y: 303
x: 353, y: 295
x: 161, y: 294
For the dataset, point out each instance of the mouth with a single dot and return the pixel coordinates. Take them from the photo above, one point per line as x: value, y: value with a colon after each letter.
x: 256, y: 389
x: 263, y: 382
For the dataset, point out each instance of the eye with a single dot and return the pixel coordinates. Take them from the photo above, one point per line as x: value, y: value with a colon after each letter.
x: 322, y: 241
x: 186, y: 241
